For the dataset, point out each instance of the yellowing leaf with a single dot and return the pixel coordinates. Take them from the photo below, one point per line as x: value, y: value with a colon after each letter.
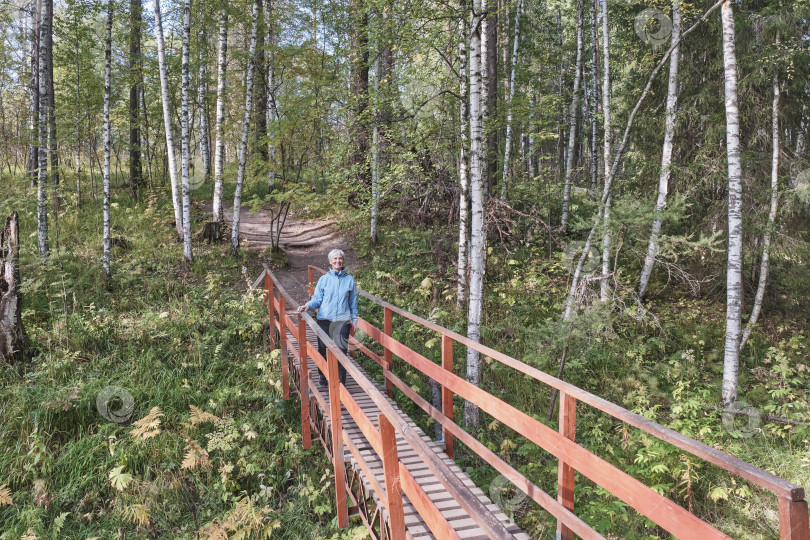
x: 119, y: 479
x: 200, y: 417
x: 196, y: 457
x: 147, y: 427
x: 5, y: 496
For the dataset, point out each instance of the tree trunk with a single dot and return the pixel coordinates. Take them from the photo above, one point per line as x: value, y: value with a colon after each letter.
x: 272, y: 112
x: 766, y: 238
x: 135, y: 170
x: 359, y: 93
x: 595, y: 100
x: 53, y: 141
x: 219, y: 157
x: 33, y: 142
x: 167, y: 122
x: 490, y: 147
x: 105, y: 260
x: 477, y: 195
x: 13, y: 340
x: 202, y: 104
x: 240, y: 173
x: 463, y: 180
x: 603, y: 285
x: 512, y: 84
x: 572, y: 123
x: 734, y: 292
x: 260, y: 90
x: 375, y: 155
x: 666, y: 157
x: 45, y: 41
x: 78, y: 114
x: 185, y: 133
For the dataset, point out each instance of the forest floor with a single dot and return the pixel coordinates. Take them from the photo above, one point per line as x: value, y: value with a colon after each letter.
x: 304, y: 241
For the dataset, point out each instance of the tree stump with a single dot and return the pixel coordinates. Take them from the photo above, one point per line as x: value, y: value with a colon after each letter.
x: 13, y: 340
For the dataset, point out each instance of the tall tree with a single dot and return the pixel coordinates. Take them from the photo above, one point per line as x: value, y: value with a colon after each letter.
x: 606, y: 196
x: 46, y: 55
x: 272, y: 111
x: 478, y: 247
x: 512, y: 84
x: 185, y: 132
x: 202, y: 105
x: 135, y: 170
x: 572, y: 123
x: 358, y: 16
x: 45, y: 45
x: 33, y: 93
x: 666, y: 154
x: 219, y: 157
x: 240, y: 171
x: 167, y: 122
x: 491, y: 112
x: 463, y: 178
x: 105, y: 260
x: 734, y: 291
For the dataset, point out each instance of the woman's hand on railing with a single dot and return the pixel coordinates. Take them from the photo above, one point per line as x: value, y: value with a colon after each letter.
x: 302, y: 307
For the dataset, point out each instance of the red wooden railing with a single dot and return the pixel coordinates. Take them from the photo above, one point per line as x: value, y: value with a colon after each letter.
x: 793, y: 510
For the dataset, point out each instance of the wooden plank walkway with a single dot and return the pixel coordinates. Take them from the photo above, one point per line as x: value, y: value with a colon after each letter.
x: 416, y: 528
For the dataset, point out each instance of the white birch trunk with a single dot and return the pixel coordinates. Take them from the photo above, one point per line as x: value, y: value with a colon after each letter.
x: 202, y: 103
x: 105, y: 259
x: 507, y: 148
x: 272, y: 111
x: 666, y: 154
x: 572, y: 119
x: 240, y: 173
x: 734, y: 290
x: 185, y: 133
x: 477, y: 194
x: 167, y: 121
x: 463, y: 180
x: 766, y: 238
x: 219, y: 158
x: 594, y: 104
x: 45, y: 41
x: 603, y: 284
x: 375, y: 154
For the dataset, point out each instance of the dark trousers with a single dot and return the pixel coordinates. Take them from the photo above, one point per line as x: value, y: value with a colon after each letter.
x: 339, y: 332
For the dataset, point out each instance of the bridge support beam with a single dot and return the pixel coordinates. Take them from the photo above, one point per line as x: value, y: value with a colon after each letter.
x: 565, y: 473
x: 388, y: 328
x: 793, y: 520
x: 447, y: 394
x: 393, y: 488
x: 303, y: 382
x: 271, y: 308
x: 337, y: 439
x: 282, y: 338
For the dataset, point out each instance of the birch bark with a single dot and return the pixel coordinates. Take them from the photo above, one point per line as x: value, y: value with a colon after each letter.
x: 463, y: 179
x: 185, y: 133
x: 572, y: 120
x: 105, y: 259
x: 202, y: 104
x: 33, y: 145
x: 508, y: 142
x: 240, y: 173
x: 42, y: 124
x: 375, y: 153
x: 603, y: 285
x: 766, y: 238
x: 477, y: 194
x: 167, y: 122
x: 219, y: 157
x: 734, y: 290
x: 666, y: 154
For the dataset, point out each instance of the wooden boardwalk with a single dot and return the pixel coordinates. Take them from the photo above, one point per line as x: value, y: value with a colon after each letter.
x: 456, y: 516
x: 401, y: 484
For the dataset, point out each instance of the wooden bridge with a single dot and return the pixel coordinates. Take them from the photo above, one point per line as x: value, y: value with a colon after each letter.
x: 404, y: 485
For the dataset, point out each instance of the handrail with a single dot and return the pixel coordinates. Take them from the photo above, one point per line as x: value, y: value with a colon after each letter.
x: 792, y: 507
x: 482, y: 515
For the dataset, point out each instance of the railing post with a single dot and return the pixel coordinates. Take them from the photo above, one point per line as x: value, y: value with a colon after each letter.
x: 565, y: 473
x: 282, y: 338
x: 393, y: 490
x: 310, y: 280
x: 388, y: 328
x: 447, y: 394
x: 303, y: 381
x: 337, y: 438
x: 793, y: 520
x: 271, y: 308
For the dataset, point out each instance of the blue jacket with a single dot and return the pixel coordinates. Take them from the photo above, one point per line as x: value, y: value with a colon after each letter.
x: 335, y: 297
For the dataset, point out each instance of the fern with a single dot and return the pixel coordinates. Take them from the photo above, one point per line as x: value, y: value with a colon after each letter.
x: 147, y: 427
x: 5, y: 496
x: 200, y: 417
x: 196, y: 457
x: 137, y: 514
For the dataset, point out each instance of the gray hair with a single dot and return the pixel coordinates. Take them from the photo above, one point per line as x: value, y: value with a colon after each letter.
x: 335, y: 252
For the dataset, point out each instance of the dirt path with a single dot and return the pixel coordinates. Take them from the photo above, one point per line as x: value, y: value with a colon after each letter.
x: 304, y: 241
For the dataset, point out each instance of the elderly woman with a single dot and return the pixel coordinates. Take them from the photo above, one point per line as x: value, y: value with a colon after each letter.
x: 335, y: 298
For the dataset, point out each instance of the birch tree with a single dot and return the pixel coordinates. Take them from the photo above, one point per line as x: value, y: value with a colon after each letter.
x: 45, y: 43
x: 463, y: 180
x: 240, y: 172
x: 603, y: 285
x: 477, y: 193
x: 135, y: 171
x: 666, y: 154
x: 512, y: 84
x: 202, y: 105
x: 219, y: 156
x: 167, y: 121
x: 33, y: 145
x: 185, y: 132
x: 766, y: 238
x: 375, y: 154
x: 105, y: 258
x: 572, y: 120
x: 734, y: 290
x: 272, y: 111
